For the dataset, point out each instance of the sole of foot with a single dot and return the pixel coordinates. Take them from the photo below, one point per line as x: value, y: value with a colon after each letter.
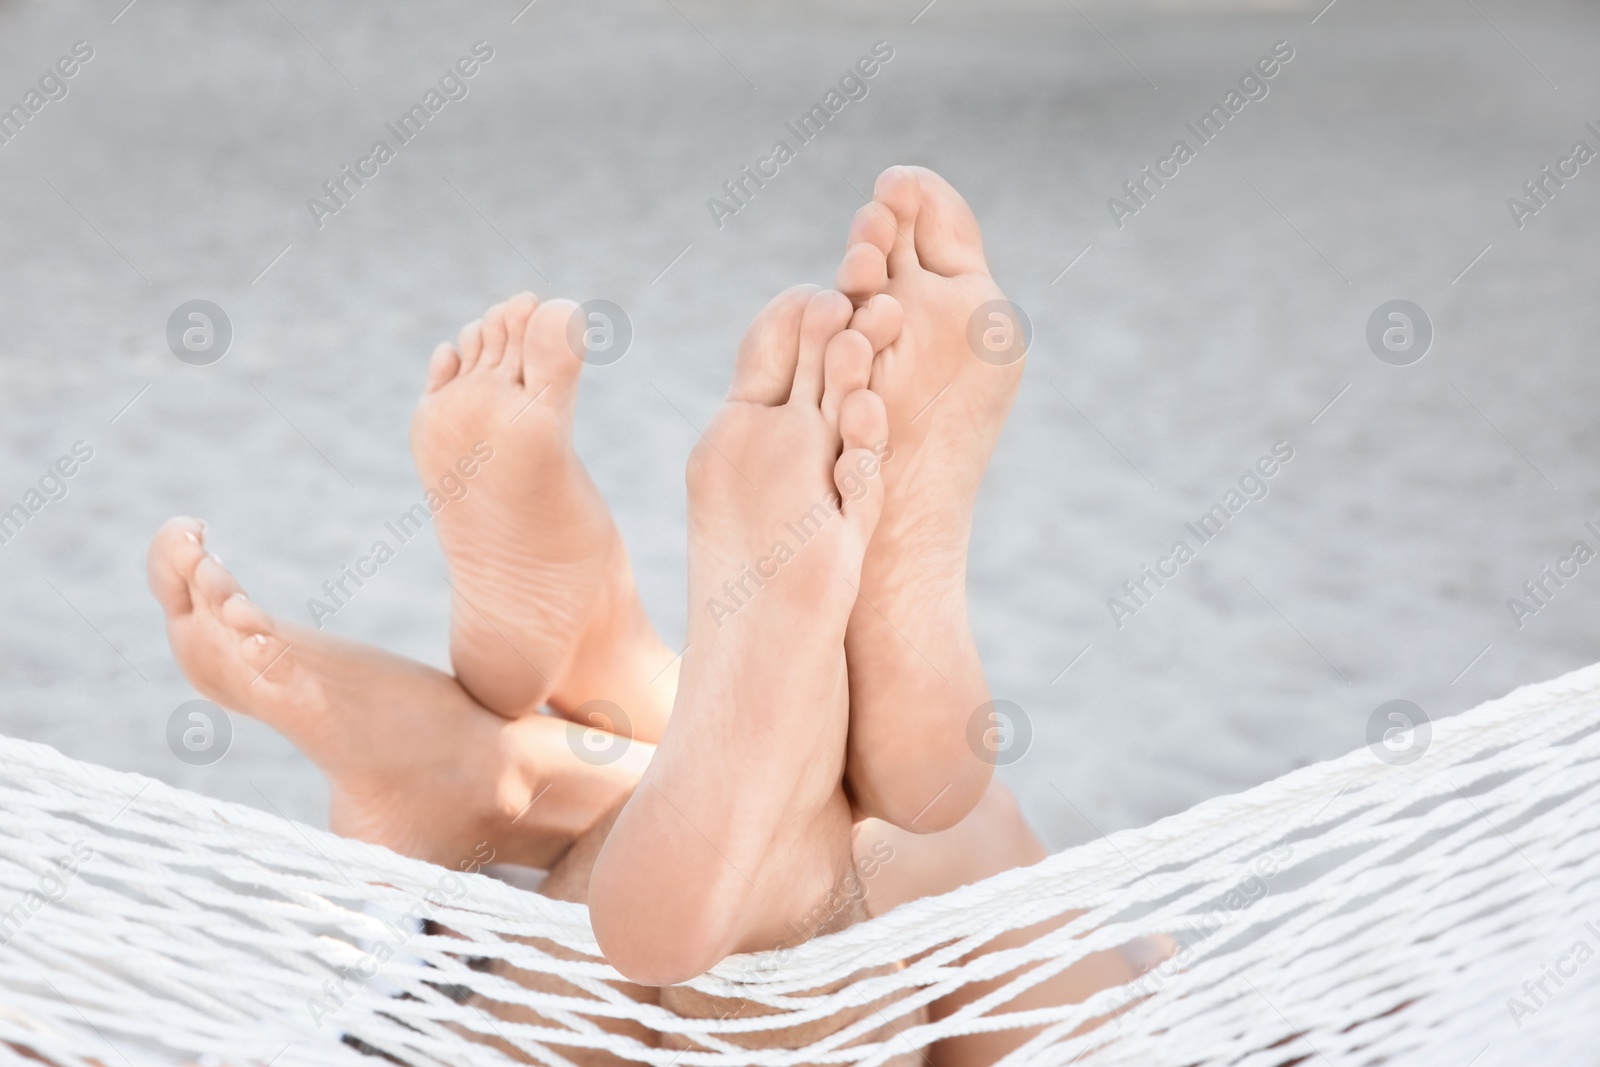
x: 948, y: 381
x: 413, y: 763
x: 740, y: 826
x: 545, y: 608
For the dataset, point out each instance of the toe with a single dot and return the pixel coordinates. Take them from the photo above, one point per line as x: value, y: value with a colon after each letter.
x: 764, y: 369
x: 241, y: 613
x: 174, y: 551
x: 873, y: 225
x: 261, y: 651
x: 519, y: 309
x: 866, y: 268
x: 898, y: 194
x: 552, y: 351
x: 470, y: 344
x: 826, y: 314
x: 947, y: 236
x: 864, y: 422
x: 212, y: 584
x: 598, y: 332
x: 442, y: 366
x: 864, y: 427
x: 864, y: 271
x: 260, y: 645
x: 879, y: 320
x: 847, y: 366
x: 494, y: 337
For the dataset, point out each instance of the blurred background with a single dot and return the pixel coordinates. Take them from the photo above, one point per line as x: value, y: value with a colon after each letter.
x: 1228, y: 313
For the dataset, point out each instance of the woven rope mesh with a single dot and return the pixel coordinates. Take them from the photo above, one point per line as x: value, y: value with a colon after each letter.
x: 1353, y: 912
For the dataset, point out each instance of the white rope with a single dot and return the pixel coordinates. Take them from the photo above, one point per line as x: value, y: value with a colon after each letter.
x: 1352, y: 912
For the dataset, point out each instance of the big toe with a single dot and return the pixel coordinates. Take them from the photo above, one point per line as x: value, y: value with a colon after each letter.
x: 942, y: 229
x: 763, y: 371
x: 827, y: 313
x: 175, y: 551
x: 553, y: 350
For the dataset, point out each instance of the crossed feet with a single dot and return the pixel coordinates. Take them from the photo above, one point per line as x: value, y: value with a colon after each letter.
x: 830, y: 672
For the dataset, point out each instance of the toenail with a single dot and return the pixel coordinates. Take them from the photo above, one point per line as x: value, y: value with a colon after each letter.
x: 259, y: 639
x: 193, y: 540
x: 217, y: 559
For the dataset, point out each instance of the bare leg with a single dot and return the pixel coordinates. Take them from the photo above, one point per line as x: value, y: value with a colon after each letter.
x: 992, y: 839
x: 412, y: 761
x: 892, y: 867
x: 378, y: 725
x: 569, y: 880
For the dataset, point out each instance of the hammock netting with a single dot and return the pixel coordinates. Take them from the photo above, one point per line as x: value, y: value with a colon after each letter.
x: 1352, y: 912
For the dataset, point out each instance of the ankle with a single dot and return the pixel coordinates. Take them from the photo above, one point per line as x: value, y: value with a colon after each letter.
x: 807, y: 899
x: 619, y: 658
x: 541, y: 797
x: 493, y: 670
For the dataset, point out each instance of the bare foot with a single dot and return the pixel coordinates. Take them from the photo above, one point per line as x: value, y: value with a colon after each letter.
x: 915, y: 677
x: 545, y: 605
x: 740, y: 825
x: 413, y: 763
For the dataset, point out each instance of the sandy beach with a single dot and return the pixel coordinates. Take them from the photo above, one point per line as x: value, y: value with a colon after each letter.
x: 1219, y: 318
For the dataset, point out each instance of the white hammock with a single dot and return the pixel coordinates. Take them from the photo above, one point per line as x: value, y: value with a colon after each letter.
x: 1404, y: 907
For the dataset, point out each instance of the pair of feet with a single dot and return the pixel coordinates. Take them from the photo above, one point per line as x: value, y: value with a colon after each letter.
x: 829, y: 671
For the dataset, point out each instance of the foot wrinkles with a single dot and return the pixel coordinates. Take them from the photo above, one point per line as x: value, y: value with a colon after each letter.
x: 784, y: 492
x: 915, y: 677
x: 545, y: 607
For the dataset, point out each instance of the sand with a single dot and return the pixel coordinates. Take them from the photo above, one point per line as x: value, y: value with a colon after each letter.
x: 1225, y: 316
